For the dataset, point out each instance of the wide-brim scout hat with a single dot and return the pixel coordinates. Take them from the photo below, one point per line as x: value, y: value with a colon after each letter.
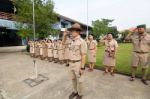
x: 76, y: 27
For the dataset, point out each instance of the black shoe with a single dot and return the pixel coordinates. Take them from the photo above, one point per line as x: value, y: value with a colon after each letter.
x: 79, y: 97
x: 67, y: 65
x: 72, y: 95
x: 144, y: 82
x: 132, y: 78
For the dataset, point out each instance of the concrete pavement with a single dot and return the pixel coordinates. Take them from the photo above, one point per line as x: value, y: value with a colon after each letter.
x: 16, y: 67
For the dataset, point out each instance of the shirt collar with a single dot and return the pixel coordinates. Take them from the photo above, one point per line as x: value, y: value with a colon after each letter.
x: 144, y: 34
x: 76, y: 37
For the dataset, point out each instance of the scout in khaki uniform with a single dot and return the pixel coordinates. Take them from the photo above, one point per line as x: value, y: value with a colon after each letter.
x: 77, y: 53
x: 141, y: 49
x: 55, y: 51
x: 32, y: 48
x: 50, y: 50
x: 44, y: 49
x: 110, y: 53
x: 41, y: 49
x: 92, y: 47
x: 67, y: 50
x: 38, y: 49
x: 35, y: 54
x: 60, y: 51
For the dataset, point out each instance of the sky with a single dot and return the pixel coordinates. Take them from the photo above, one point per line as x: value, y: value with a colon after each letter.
x: 126, y: 13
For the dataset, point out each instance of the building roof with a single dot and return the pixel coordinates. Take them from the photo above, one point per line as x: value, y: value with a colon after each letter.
x: 7, y: 6
x: 72, y: 20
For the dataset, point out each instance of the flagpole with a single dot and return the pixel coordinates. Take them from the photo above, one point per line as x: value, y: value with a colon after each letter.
x: 33, y: 22
x: 34, y: 61
x: 87, y: 32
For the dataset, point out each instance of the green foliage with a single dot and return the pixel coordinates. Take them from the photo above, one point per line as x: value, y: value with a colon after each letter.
x: 102, y: 27
x: 124, y: 34
x: 45, y: 17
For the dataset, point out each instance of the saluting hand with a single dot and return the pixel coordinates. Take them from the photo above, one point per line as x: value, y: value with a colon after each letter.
x: 132, y: 30
x: 65, y: 32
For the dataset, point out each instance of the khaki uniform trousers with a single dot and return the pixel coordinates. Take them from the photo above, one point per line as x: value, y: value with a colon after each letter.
x: 77, y: 79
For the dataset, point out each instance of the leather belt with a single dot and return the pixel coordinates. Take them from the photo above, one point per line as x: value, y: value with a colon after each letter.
x: 141, y: 52
x: 74, y: 61
x: 109, y: 51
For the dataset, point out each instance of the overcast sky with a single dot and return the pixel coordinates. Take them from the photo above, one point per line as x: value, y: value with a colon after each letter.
x: 126, y: 13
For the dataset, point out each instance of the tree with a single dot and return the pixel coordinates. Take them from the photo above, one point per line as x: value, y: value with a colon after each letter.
x: 102, y: 27
x: 124, y: 34
x: 45, y: 17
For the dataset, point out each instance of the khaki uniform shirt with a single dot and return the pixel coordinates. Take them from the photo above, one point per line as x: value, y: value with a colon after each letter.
x: 110, y: 46
x: 78, y: 46
x: 141, y: 43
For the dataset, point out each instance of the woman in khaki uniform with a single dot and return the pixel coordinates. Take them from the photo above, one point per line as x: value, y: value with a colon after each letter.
x: 55, y: 51
x: 44, y: 49
x: 60, y: 52
x: 41, y: 49
x: 31, y: 44
x: 50, y: 50
x: 110, y: 53
x: 67, y: 50
x: 38, y: 49
x: 92, y: 47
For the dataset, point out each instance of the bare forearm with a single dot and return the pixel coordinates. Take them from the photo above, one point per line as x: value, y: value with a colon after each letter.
x: 83, y: 58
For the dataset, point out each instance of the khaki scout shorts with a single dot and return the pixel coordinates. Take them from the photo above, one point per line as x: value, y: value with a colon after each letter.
x: 140, y: 59
x: 75, y: 71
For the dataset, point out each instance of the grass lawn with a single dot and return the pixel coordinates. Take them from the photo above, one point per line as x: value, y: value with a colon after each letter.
x: 123, y: 59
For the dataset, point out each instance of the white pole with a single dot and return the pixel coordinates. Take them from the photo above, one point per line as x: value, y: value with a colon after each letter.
x: 87, y: 19
x: 35, y: 65
x: 33, y: 21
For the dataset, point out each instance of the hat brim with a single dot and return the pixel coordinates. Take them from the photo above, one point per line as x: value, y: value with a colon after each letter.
x: 76, y: 29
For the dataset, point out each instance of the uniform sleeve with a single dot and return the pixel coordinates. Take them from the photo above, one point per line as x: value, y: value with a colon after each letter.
x: 83, y: 47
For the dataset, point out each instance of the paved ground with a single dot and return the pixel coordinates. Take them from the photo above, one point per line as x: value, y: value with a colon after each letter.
x: 12, y: 49
x: 16, y: 67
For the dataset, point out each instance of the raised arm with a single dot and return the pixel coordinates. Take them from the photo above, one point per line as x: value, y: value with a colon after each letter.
x: 64, y: 37
x: 103, y: 39
x: 131, y: 31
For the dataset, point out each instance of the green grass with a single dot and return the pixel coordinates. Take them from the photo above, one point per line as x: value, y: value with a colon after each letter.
x: 123, y: 59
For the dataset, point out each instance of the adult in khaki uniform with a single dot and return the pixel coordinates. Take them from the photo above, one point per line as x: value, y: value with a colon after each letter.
x: 92, y: 47
x: 55, y: 51
x: 78, y: 49
x: 50, y: 50
x: 110, y: 53
x: 32, y: 49
x: 44, y: 48
x: 60, y: 51
x: 35, y: 49
x: 31, y: 44
x: 141, y: 49
x: 41, y: 49
x: 38, y: 49
x: 66, y: 50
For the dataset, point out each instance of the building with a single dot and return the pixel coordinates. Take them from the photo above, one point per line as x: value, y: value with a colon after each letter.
x: 65, y: 22
x: 8, y: 30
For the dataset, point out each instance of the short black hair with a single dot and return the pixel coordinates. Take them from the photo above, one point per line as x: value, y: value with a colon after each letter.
x: 142, y: 26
